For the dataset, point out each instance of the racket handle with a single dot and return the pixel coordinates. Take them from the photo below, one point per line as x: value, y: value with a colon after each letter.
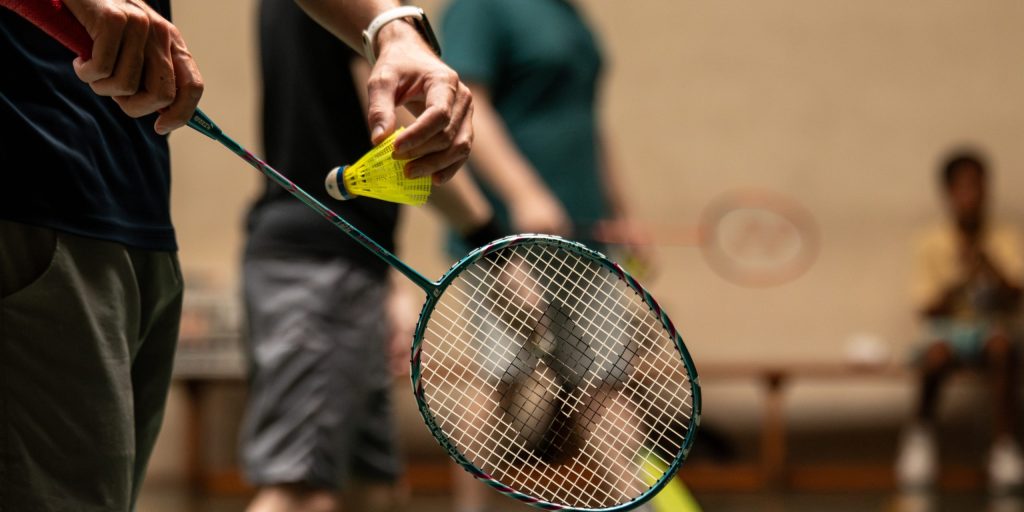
x: 54, y: 18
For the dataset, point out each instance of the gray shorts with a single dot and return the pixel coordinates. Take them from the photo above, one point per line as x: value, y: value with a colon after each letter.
x: 87, y: 336
x: 319, y: 406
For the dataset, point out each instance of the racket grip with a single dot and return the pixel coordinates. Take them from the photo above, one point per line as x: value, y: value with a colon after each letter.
x: 54, y: 18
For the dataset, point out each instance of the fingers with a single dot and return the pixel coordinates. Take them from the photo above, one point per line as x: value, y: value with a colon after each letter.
x: 408, y: 74
x: 415, y: 146
x: 106, y: 26
x: 453, y: 156
x: 189, y: 85
x: 127, y: 72
x: 140, y: 59
x: 158, y: 88
x: 381, y: 92
x: 440, y: 88
x: 444, y: 175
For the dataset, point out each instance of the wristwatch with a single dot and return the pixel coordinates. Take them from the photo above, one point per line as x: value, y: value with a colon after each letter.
x: 415, y: 15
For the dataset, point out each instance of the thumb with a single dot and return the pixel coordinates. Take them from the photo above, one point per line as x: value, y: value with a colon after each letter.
x: 381, y: 105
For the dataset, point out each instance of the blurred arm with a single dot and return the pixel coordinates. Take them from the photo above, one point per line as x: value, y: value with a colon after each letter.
x: 500, y: 164
x: 1004, y: 265
x: 347, y: 19
x: 611, y: 179
x: 622, y: 228
x: 943, y: 304
x: 933, y: 295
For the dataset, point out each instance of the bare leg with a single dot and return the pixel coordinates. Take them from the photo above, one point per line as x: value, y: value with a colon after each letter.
x: 938, y: 361
x: 1002, y: 362
x: 916, y: 463
x: 615, y: 442
x: 374, y: 497
x: 1006, y: 463
x: 471, y: 495
x: 294, y: 498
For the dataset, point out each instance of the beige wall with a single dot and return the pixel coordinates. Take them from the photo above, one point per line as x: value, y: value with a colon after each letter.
x: 844, y: 106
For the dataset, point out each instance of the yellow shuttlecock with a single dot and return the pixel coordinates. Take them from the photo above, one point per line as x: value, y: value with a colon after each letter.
x: 674, y: 497
x: 380, y: 176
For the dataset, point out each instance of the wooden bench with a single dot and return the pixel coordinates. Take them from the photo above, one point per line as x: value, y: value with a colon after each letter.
x: 198, y: 371
x: 772, y: 468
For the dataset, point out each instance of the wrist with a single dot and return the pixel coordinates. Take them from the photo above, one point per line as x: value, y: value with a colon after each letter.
x: 486, y: 233
x: 397, y: 32
x: 396, y: 26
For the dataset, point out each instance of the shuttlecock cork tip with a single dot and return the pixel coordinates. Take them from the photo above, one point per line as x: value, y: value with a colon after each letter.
x: 334, y: 185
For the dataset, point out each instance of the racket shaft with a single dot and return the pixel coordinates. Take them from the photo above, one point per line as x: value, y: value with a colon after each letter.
x: 203, y: 124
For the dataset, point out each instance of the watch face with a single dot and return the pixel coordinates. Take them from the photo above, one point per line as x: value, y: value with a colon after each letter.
x: 428, y: 33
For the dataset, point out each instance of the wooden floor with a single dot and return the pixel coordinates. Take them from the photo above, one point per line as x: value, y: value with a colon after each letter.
x: 176, y: 498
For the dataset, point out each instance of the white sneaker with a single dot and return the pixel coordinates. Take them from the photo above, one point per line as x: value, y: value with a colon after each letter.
x: 1005, y: 465
x: 917, y: 462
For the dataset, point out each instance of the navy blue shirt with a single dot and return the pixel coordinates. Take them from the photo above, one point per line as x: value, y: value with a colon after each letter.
x: 312, y: 121
x: 71, y: 160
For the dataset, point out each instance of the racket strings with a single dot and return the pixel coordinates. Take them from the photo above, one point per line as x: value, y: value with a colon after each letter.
x: 667, y: 423
x: 474, y: 342
x: 678, y: 377
x: 505, y: 434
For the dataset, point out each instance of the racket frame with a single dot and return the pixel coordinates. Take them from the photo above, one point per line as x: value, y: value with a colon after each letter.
x: 416, y: 372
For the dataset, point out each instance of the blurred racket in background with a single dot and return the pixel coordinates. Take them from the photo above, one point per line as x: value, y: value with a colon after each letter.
x: 750, y: 237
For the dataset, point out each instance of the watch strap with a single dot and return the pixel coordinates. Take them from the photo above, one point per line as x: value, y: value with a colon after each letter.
x: 419, y: 21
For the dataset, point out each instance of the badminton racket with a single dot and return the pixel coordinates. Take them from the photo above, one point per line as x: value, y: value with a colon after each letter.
x: 752, y: 237
x: 539, y: 365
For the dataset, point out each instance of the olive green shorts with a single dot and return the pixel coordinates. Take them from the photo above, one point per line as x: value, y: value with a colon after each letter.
x: 87, y: 337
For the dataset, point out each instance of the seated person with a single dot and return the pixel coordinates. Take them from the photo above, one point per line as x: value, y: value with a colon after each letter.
x: 967, y: 287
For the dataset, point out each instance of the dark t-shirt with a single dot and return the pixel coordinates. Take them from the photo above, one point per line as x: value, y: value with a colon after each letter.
x: 312, y: 121
x: 71, y: 160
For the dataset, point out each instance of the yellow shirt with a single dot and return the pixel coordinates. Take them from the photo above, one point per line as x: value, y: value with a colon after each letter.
x: 938, y: 265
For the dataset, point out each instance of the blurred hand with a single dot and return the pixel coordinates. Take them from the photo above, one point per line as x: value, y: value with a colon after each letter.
x: 140, y: 59
x: 407, y: 73
x: 635, y: 239
x: 539, y: 212
x: 972, y: 257
x: 403, y: 316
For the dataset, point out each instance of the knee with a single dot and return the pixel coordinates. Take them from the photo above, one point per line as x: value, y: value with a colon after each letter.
x: 938, y: 357
x: 1000, y: 350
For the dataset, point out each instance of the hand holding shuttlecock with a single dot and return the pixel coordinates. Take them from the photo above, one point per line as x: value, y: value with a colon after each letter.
x: 380, y: 176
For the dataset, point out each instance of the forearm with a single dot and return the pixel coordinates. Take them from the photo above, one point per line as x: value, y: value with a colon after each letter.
x: 1007, y: 291
x: 347, y: 19
x: 1007, y: 287
x: 461, y: 204
x: 496, y: 159
x: 944, y: 303
x: 611, y: 179
x: 943, y: 306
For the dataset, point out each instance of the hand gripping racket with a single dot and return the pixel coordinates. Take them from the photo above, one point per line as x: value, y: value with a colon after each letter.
x: 540, y: 366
